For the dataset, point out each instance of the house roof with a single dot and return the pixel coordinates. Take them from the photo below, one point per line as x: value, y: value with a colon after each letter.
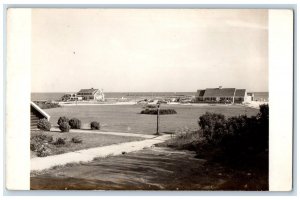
x: 200, y: 93
x: 240, y: 92
x: 217, y: 92
x: 91, y: 91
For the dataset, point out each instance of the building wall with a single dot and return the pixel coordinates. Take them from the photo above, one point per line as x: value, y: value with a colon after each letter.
x: 224, y: 100
x: 217, y: 100
x: 99, y: 96
x: 239, y: 99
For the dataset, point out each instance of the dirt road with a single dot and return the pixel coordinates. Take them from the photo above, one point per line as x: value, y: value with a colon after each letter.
x: 148, y: 169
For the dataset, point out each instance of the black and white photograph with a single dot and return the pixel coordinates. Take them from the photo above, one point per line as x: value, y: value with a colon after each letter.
x: 149, y: 99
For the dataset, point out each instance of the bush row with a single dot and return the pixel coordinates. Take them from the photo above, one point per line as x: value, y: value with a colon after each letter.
x: 161, y: 111
x: 239, y: 135
x: 41, y: 144
x: 65, y: 124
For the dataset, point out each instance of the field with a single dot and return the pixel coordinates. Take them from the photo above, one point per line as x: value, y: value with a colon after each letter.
x: 127, y: 118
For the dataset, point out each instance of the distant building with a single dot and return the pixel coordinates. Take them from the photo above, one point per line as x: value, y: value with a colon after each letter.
x: 222, y: 95
x: 250, y: 95
x: 90, y: 94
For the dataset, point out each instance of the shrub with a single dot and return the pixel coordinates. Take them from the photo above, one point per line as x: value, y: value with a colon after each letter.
x: 263, y: 112
x: 95, y: 125
x: 44, y: 124
x: 43, y: 151
x: 76, y: 140
x: 64, y: 127
x: 39, y: 139
x: 39, y: 144
x: 62, y: 119
x: 185, y: 139
x: 161, y: 111
x: 75, y: 123
x: 60, y: 141
x: 237, y: 137
x: 213, y: 126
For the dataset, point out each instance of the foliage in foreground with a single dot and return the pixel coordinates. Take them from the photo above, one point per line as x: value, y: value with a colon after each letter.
x: 161, y: 111
x: 76, y: 140
x: 64, y: 127
x: 40, y: 144
x: 75, y: 123
x: 60, y: 141
x: 44, y: 145
x: 185, y: 139
x: 237, y: 135
x: 236, y: 140
x: 62, y: 119
x: 95, y: 125
x: 44, y: 124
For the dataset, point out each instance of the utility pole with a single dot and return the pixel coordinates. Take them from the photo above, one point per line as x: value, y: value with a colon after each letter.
x: 157, y: 120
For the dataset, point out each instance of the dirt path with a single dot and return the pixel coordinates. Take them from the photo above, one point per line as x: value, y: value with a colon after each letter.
x: 55, y: 129
x: 148, y: 169
x: 42, y: 163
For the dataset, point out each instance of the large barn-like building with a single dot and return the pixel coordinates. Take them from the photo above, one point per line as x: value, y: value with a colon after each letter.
x: 222, y: 95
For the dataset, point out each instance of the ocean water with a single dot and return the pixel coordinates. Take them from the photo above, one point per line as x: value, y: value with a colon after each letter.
x: 111, y: 95
x: 258, y: 96
x: 261, y: 96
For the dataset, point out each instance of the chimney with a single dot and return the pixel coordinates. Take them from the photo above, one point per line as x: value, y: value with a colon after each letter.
x: 220, y: 87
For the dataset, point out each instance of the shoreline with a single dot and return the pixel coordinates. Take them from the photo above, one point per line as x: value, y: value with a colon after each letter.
x: 254, y: 104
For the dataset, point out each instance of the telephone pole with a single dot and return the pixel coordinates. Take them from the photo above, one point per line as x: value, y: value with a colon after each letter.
x: 157, y: 120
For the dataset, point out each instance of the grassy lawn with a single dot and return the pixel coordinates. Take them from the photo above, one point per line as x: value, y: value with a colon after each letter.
x: 127, y: 118
x: 89, y: 140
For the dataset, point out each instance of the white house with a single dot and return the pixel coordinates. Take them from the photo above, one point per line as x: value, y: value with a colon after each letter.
x: 91, y: 94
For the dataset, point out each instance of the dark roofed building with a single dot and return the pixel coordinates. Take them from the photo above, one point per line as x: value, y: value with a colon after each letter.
x: 240, y: 95
x: 221, y: 95
x: 240, y: 92
x: 91, y: 91
x: 199, y: 95
x: 219, y: 92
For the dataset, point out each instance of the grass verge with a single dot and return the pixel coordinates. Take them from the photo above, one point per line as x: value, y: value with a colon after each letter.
x: 89, y: 140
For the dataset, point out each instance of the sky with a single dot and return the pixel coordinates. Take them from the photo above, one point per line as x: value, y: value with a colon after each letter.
x: 149, y: 50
